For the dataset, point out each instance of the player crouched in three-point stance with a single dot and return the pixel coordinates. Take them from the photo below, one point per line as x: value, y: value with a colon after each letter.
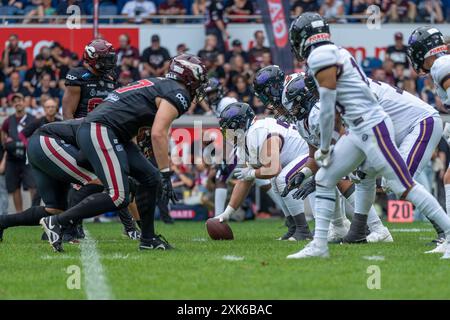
x: 428, y: 53
x: 52, y: 152
x: 105, y: 138
x: 370, y: 136
x: 270, y: 149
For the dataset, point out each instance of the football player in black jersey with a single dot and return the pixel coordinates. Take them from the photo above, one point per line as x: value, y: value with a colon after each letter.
x: 89, y: 85
x: 105, y: 138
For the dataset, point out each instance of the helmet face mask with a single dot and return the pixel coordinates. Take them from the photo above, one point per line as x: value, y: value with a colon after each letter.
x: 237, y: 118
x: 299, y: 97
x: 268, y: 85
x: 100, y: 55
x: 423, y: 43
x: 213, y: 92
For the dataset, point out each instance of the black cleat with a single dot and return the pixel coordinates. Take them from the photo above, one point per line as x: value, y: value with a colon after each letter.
x: 289, y: 222
x: 1, y: 233
x: 80, y: 231
x: 53, y: 231
x: 133, y: 234
x: 69, y: 234
x: 44, y: 236
x: 353, y: 240
x: 300, y: 235
x: 156, y: 243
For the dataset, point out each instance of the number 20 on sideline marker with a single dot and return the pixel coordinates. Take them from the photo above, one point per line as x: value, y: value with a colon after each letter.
x: 400, y: 211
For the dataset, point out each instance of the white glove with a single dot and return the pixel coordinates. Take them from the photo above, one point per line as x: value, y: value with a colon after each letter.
x: 323, y: 159
x: 245, y: 173
x: 225, y: 216
x: 446, y: 132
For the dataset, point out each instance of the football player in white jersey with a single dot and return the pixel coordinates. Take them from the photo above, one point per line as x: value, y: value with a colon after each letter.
x: 267, y: 149
x: 300, y: 102
x: 370, y: 137
x: 428, y: 54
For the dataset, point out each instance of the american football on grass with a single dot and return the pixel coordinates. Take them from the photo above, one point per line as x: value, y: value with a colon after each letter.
x: 219, y: 230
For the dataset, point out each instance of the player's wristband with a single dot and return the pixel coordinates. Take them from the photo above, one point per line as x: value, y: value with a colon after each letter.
x: 164, y: 170
x: 307, y: 172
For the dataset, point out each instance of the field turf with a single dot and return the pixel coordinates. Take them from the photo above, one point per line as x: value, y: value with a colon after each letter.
x: 253, y: 266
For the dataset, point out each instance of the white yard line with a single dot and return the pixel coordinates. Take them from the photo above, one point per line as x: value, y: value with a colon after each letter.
x: 232, y: 258
x: 410, y: 230
x: 95, y: 283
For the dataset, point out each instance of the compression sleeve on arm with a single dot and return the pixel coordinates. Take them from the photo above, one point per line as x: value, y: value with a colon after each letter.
x: 326, y: 119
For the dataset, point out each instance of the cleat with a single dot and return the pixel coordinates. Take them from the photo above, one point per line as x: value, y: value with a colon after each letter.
x: 301, y: 235
x: 380, y: 235
x: 80, y: 231
x: 1, y: 233
x: 133, y: 234
x: 441, y: 248
x: 337, y: 233
x: 156, y: 243
x: 69, y: 234
x: 439, y: 240
x: 348, y: 240
x: 53, y: 231
x: 44, y: 236
x: 311, y: 250
x: 289, y: 222
x: 447, y: 252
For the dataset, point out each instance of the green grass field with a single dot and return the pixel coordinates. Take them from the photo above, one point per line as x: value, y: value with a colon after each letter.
x: 197, y: 269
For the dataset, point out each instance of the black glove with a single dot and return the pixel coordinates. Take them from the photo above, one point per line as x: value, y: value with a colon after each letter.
x: 167, y: 193
x: 305, y: 190
x: 293, y: 183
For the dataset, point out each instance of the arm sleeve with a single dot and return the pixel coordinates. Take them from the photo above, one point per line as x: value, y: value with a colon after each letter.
x: 326, y: 119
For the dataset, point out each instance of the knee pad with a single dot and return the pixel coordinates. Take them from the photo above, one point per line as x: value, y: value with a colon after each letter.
x: 325, y: 178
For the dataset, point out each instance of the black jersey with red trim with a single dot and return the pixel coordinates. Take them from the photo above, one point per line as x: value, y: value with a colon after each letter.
x: 94, y: 88
x: 132, y: 107
x: 62, y: 130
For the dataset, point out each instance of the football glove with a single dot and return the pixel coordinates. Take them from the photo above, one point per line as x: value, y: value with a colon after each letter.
x: 167, y: 193
x: 322, y: 158
x: 245, y: 173
x: 305, y: 190
x: 293, y: 183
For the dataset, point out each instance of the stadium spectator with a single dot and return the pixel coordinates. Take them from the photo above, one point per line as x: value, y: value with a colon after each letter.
x: 399, y: 76
x: 399, y: 10
x: 215, y: 23
x: 397, y: 52
x: 199, y: 7
x: 155, y: 59
x: 138, y: 11
x: 14, y: 58
x: 17, y: 173
x: 19, y: 4
x: 125, y: 78
x: 236, y: 50
x: 126, y: 49
x: 33, y: 74
x: 59, y: 58
x: 379, y: 75
x: 237, y: 67
x: 239, y: 8
x: 15, y: 86
x: 430, y: 11
x: 182, y: 48
x: 388, y: 67
x: 301, y: 6
x: 4, y: 201
x: 44, y: 87
x: 242, y: 91
x: 333, y: 10
x: 44, y: 9
x: 127, y: 66
x: 256, y: 52
x: 50, y: 114
x: 215, y: 69
x: 211, y: 49
x: 182, y: 180
x: 172, y: 7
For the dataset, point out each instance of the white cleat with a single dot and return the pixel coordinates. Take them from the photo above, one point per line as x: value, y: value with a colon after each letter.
x: 447, y: 252
x: 336, y: 233
x: 311, y: 250
x: 441, y: 248
x: 380, y: 235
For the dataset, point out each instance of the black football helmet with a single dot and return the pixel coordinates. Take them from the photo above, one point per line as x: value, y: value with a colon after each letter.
x: 214, y: 92
x: 268, y: 85
x: 307, y: 31
x: 238, y: 115
x: 425, y: 42
x: 299, y: 96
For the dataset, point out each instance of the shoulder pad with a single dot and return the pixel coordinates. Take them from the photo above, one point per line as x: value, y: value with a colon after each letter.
x: 323, y: 57
x: 440, y: 70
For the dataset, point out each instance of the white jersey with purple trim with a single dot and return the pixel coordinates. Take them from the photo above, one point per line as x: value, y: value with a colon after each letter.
x: 354, y: 100
x: 406, y: 110
x: 310, y: 130
x: 223, y: 103
x: 292, y: 144
x: 440, y: 71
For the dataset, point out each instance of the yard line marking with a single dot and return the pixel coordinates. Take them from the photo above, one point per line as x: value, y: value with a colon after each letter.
x: 95, y: 283
x: 232, y: 258
x: 199, y: 239
x: 411, y: 230
x: 374, y: 258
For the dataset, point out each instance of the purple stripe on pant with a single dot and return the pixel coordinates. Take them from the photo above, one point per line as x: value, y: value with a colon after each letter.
x: 291, y: 172
x: 392, y: 155
x: 416, y: 153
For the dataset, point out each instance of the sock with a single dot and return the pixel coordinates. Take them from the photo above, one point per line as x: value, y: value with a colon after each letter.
x: 220, y: 197
x: 75, y: 196
x: 325, y: 204
x: 439, y: 231
x: 429, y: 206
x: 29, y: 217
x: 338, y: 215
x: 373, y: 220
x: 126, y: 219
x: 300, y: 222
x: 146, y: 202
x: 357, y: 228
x: 138, y: 222
x: 91, y: 206
x: 447, y: 198
x: 276, y: 198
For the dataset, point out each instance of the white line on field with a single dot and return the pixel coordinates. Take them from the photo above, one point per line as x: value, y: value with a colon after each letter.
x: 374, y: 258
x: 411, y: 230
x: 95, y: 283
x: 232, y: 258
